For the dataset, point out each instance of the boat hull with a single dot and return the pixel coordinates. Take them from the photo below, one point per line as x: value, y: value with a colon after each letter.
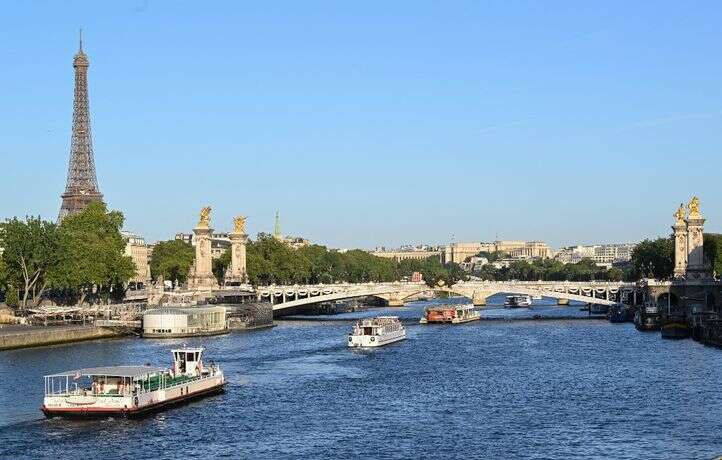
x: 675, y: 332
x: 372, y: 341
x: 159, y: 335
x: 446, y: 320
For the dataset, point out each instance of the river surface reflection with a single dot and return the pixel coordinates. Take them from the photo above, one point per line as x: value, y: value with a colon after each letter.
x: 539, y: 389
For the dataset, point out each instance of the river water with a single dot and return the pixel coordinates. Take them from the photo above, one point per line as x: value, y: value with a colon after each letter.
x: 491, y: 389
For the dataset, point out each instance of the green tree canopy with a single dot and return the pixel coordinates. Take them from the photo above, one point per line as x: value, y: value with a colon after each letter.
x: 221, y: 264
x: 30, y: 251
x: 172, y: 260
x: 91, y: 254
x: 271, y: 261
x: 713, y: 251
x: 3, y: 275
x: 653, y: 258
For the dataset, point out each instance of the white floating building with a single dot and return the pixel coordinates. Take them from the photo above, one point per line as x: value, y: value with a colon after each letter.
x: 171, y: 322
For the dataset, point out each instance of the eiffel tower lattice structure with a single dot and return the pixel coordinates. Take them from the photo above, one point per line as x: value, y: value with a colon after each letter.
x: 82, y: 185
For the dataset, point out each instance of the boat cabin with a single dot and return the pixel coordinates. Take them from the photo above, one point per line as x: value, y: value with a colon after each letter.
x: 377, y: 326
x: 101, y: 381
x: 188, y: 361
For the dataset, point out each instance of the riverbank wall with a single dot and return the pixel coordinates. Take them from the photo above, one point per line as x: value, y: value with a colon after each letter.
x: 29, y: 336
x: 253, y: 315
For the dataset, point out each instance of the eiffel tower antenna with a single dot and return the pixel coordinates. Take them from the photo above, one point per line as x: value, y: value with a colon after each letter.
x: 82, y: 184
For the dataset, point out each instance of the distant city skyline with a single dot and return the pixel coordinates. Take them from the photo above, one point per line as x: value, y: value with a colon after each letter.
x: 373, y: 126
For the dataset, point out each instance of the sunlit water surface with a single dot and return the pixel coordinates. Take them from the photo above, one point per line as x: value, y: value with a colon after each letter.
x: 538, y: 389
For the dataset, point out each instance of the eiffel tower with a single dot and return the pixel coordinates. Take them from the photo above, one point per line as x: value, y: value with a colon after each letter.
x: 82, y: 186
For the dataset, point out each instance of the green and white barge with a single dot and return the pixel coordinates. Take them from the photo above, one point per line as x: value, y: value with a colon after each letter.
x: 131, y: 390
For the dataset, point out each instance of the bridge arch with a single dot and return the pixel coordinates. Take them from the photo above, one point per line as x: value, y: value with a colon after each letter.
x: 667, y: 299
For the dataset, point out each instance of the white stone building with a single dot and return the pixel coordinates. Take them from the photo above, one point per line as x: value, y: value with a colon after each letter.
x: 602, y: 254
x: 138, y: 251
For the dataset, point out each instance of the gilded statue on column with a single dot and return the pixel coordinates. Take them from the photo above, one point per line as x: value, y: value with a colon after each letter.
x: 694, y: 208
x: 680, y: 214
x: 239, y: 224
x: 205, y: 217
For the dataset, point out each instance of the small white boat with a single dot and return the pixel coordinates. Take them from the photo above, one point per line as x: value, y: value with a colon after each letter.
x: 536, y: 297
x: 517, y: 301
x: 130, y: 390
x: 376, y: 332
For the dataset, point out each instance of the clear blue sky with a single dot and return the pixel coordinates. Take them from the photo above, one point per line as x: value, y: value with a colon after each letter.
x: 373, y: 122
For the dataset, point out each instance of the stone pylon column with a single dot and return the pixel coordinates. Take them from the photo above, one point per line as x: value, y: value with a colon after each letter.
x: 679, y: 230
x: 201, y: 276
x: 236, y: 273
x: 695, y: 241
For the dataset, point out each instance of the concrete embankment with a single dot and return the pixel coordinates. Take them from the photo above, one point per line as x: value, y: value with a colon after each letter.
x: 37, y: 336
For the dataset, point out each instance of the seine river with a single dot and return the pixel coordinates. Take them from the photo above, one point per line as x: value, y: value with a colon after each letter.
x: 492, y: 389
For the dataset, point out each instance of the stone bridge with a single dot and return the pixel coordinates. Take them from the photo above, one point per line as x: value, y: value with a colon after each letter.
x: 394, y: 294
x: 599, y: 292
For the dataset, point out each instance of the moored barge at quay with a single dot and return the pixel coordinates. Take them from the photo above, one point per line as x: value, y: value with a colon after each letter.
x: 451, y: 314
x: 131, y: 390
x: 646, y: 318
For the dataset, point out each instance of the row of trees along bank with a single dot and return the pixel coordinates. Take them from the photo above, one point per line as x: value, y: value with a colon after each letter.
x: 81, y: 259
x: 270, y: 261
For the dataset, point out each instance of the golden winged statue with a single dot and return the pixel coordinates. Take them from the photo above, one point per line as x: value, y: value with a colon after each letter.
x: 205, y: 218
x: 680, y: 214
x: 694, y: 208
x: 239, y: 224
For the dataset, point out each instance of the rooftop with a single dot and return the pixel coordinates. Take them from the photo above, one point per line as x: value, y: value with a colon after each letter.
x: 184, y: 310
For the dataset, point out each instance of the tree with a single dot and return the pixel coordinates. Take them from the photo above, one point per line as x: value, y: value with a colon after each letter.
x: 12, y: 299
x: 491, y: 256
x: 713, y: 251
x: 3, y: 274
x: 91, y: 254
x: 221, y: 264
x: 31, y: 249
x: 615, y: 274
x: 653, y: 258
x: 172, y: 260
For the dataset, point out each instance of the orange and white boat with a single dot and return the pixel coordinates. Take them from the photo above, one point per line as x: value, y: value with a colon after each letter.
x: 452, y: 314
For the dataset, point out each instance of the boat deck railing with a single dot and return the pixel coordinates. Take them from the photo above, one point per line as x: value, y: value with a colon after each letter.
x: 158, y: 382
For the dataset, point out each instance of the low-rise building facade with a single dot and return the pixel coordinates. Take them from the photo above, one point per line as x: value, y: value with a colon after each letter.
x: 602, y: 254
x: 220, y: 242
x: 137, y: 250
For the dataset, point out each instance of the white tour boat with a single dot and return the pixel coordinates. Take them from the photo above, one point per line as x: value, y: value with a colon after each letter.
x: 518, y: 301
x: 131, y: 390
x: 375, y: 332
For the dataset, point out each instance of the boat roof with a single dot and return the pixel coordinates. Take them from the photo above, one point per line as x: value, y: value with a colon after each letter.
x: 112, y: 371
x: 190, y: 349
x: 465, y: 306
x: 184, y: 310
